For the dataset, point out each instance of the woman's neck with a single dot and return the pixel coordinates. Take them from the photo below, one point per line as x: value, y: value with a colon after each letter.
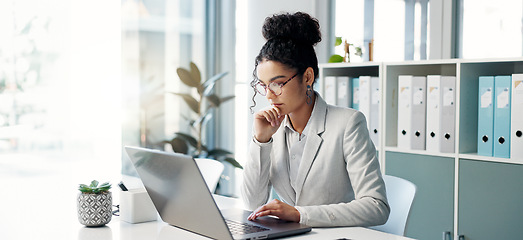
x: 299, y: 118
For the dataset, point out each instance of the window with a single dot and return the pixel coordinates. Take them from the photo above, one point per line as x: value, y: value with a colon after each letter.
x: 60, y: 81
x: 76, y: 85
x: 491, y: 28
x: 157, y: 38
x: 350, y: 27
x: 242, y: 86
x: 60, y: 106
x: 397, y: 29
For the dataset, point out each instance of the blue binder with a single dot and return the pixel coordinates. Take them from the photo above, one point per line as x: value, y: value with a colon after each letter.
x: 502, y: 86
x: 486, y: 116
x: 355, y: 93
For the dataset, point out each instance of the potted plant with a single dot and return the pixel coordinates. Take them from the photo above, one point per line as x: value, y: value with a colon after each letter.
x: 94, y: 204
x: 202, y: 106
x: 335, y: 58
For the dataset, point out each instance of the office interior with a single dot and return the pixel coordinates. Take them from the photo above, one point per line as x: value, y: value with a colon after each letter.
x: 81, y: 79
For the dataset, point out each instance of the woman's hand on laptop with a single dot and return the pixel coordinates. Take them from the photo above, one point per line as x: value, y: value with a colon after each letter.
x: 276, y: 208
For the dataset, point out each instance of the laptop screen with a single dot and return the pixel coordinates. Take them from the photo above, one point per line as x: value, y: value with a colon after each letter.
x: 179, y: 191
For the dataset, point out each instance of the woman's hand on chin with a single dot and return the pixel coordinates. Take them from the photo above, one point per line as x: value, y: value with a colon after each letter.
x: 266, y: 123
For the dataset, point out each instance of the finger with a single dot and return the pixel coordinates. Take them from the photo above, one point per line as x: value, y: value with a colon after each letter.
x: 262, y: 111
x: 278, y: 111
x: 274, y: 116
x: 255, y: 213
x: 272, y: 111
x: 263, y: 213
x: 261, y: 115
x: 278, y: 114
x: 252, y: 216
x: 269, y: 118
x: 274, y: 120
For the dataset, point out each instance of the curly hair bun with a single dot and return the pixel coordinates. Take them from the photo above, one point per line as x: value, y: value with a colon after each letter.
x: 299, y: 27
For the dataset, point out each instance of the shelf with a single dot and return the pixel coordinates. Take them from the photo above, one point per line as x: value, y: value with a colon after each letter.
x: 390, y: 92
x: 445, y: 177
x: 475, y: 156
x: 420, y: 152
x: 350, y: 70
x: 344, y: 65
x: 467, y: 72
x: 470, y: 156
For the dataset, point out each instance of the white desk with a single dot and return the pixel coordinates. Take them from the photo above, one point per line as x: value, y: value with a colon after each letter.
x: 117, y: 229
x: 43, y: 206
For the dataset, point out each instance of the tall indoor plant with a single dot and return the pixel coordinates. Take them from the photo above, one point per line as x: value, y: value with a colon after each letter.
x: 202, y: 106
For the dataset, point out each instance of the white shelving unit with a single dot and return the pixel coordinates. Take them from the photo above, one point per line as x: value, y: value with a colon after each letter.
x: 353, y: 70
x: 448, y: 182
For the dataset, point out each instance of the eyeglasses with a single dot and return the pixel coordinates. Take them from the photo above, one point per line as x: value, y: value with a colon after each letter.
x: 275, y: 88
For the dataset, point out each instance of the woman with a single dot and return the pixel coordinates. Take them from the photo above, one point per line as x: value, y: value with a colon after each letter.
x: 318, y: 158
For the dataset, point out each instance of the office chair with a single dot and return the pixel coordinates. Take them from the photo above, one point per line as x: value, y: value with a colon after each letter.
x: 400, y: 194
x: 211, y: 171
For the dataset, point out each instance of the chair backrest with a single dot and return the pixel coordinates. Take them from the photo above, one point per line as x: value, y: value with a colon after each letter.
x: 400, y: 194
x: 211, y: 171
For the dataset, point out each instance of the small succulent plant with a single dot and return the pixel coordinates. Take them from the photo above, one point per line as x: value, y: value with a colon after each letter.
x: 94, y: 188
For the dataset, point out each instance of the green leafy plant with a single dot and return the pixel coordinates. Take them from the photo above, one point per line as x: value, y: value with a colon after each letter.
x: 202, y: 106
x: 338, y: 58
x: 93, y: 188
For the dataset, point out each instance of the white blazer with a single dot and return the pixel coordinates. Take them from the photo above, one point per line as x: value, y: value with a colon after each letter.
x: 339, y: 182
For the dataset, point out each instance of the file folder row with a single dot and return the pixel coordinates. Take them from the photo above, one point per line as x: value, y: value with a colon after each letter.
x: 361, y: 93
x: 500, y: 113
x: 426, y: 113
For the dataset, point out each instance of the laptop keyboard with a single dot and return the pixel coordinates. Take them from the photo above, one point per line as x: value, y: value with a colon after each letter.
x: 243, y: 228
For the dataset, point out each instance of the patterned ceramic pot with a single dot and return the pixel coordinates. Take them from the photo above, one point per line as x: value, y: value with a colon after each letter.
x: 94, y: 209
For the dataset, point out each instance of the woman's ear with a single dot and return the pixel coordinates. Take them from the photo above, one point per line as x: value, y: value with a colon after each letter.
x: 308, y: 76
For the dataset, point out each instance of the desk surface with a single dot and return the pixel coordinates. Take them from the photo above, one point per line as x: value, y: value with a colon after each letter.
x: 160, y: 230
x: 49, y: 212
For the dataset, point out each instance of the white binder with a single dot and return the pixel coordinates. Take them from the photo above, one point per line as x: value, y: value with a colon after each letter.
x: 516, y: 125
x: 344, y: 96
x: 369, y: 105
x: 433, y: 113
x: 441, y: 113
x: 374, y: 119
x: 364, y: 95
x: 329, y: 89
x: 448, y: 114
x: 411, y: 112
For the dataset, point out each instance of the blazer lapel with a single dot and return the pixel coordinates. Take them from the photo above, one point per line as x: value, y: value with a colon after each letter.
x: 313, y: 143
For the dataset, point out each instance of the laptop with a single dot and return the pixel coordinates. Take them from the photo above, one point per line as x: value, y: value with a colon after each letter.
x: 182, y: 199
